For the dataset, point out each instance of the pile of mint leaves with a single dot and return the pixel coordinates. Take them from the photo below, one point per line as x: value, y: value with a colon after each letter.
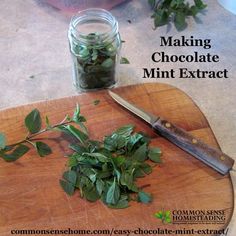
x: 105, y: 170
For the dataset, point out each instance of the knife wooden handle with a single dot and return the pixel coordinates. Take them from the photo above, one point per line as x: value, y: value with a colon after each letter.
x: 207, y: 154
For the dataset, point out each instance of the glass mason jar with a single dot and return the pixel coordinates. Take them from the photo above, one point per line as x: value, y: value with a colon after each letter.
x: 95, y: 48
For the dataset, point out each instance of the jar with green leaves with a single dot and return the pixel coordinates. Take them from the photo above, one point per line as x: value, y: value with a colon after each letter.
x: 95, y: 47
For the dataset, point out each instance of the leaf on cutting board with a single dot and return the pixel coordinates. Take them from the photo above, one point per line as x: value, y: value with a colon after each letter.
x: 43, y: 149
x: 33, y: 121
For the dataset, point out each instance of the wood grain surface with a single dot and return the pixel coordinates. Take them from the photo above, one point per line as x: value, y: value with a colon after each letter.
x: 30, y: 195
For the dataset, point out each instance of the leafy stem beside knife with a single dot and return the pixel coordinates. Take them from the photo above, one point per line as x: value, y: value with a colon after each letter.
x: 105, y: 170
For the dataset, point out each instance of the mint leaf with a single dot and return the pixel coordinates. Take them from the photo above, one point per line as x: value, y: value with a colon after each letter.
x: 81, y: 136
x: 70, y: 176
x: 121, y: 204
x: 33, y: 121
x: 127, y: 179
x: 100, y: 186
x: 200, y: 5
x: 2, y: 141
x: 113, y: 193
x: 43, y: 149
x: 67, y: 187
x: 69, y: 182
x: 146, y: 168
x: 118, y: 161
x: 125, y: 130
x: 152, y: 3
x: 91, y: 194
x: 141, y: 153
x: 124, y: 60
x: 78, y: 148
x: 110, y: 144
x: 18, y: 152
x: 48, y: 123
x: 96, y: 102
x: 79, y: 119
x: 144, y: 197
x: 99, y: 156
x: 179, y: 21
x: 107, y: 63
x: 76, y: 114
x: 161, y: 17
x: 154, y: 154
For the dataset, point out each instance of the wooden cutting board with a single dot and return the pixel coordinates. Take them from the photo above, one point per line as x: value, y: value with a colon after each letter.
x: 30, y: 195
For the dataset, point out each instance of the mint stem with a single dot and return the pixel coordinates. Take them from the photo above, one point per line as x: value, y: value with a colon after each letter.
x: 29, y: 137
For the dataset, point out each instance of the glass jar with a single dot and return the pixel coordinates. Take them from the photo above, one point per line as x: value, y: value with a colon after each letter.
x: 95, y: 48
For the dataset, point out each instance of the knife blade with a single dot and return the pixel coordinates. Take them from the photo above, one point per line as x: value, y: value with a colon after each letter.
x: 211, y: 156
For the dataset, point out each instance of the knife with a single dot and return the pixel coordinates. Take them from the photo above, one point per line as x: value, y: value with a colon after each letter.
x: 210, y: 156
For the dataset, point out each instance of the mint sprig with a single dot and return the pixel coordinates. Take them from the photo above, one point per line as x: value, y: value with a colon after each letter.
x: 176, y: 11
x: 33, y: 123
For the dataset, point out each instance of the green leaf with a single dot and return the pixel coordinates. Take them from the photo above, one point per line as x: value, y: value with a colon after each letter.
x: 152, y: 3
x: 76, y: 112
x: 121, y: 204
x: 119, y: 140
x: 168, y: 220
x: 100, y: 157
x: 83, y: 53
x: 124, y: 60
x: 125, y: 130
x: 144, y: 197
x: 48, y: 125
x: 154, y: 154
x: 128, y: 180
x: 161, y: 18
x: 100, y: 186
x: 72, y: 161
x: 2, y: 141
x: 167, y: 216
x: 159, y: 214
x: 96, y: 102
x: 138, y: 173
x: 107, y: 63
x: 18, y: 152
x: 43, y: 149
x: 118, y: 161
x: 133, y: 140
x: 78, y: 148
x: 70, y: 176
x: 33, y: 121
x: 110, y: 144
x: 94, y: 54
x: 167, y: 213
x: 93, y: 145
x: 91, y: 194
x: 199, y: 4
x: 86, y: 170
x: 141, y: 153
x: 113, y: 193
x: 81, y: 136
x: 67, y: 187
x: 179, y: 20
x: 78, y: 119
x: 146, y: 168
